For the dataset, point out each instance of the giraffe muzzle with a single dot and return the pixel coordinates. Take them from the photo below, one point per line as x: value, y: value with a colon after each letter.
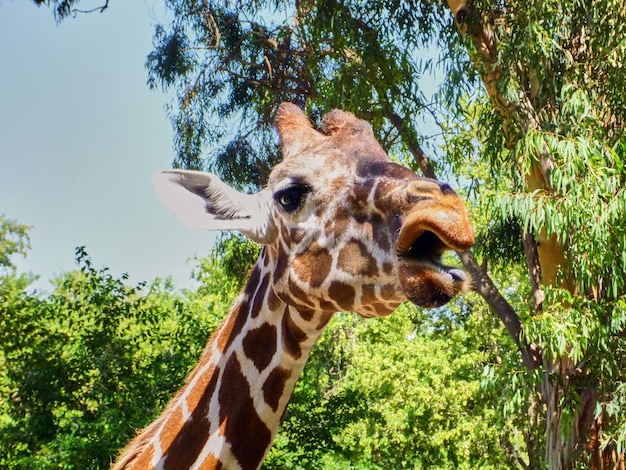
x: 426, y: 234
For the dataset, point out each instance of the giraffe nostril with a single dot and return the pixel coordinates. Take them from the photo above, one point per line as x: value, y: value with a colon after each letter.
x: 461, y: 15
x: 423, y: 188
x: 446, y: 188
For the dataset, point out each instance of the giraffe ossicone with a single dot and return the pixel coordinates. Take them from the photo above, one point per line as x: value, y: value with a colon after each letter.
x: 343, y: 228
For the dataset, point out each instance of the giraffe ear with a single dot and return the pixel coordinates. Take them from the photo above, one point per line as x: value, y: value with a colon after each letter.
x: 203, y: 201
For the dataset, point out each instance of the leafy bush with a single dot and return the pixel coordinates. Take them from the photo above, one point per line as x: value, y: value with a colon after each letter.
x: 87, y: 366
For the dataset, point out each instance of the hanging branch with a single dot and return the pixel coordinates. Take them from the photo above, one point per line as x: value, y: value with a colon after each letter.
x: 101, y: 9
x: 482, y: 283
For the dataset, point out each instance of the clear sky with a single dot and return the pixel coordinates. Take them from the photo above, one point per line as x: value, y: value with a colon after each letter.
x: 80, y: 134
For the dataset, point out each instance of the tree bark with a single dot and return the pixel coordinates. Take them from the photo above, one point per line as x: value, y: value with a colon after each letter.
x: 414, y: 147
x: 532, y: 264
x: 545, y: 255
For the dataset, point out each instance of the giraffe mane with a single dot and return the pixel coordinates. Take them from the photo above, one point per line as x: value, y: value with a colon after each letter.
x: 140, y: 443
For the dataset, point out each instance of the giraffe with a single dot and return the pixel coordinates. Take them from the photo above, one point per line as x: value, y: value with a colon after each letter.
x: 343, y: 228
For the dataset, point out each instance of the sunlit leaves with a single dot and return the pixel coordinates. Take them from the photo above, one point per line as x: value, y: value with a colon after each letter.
x: 14, y: 240
x: 86, y: 366
x: 398, y: 392
x: 585, y: 208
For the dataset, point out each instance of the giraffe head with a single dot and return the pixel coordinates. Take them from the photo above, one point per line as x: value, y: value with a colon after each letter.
x: 344, y: 226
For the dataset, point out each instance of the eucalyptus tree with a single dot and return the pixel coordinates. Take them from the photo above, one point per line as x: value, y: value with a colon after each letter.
x: 532, y: 95
x: 546, y: 81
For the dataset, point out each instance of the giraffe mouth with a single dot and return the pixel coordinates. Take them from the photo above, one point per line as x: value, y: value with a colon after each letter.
x: 425, y: 279
x: 428, y: 249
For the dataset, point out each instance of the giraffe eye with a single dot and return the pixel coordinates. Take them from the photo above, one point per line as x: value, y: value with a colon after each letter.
x: 291, y: 197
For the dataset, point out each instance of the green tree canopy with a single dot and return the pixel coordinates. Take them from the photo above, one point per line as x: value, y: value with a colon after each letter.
x: 532, y: 94
x: 82, y: 369
x: 531, y: 122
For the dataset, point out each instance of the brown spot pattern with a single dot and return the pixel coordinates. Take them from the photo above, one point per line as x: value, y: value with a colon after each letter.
x: 274, y: 386
x: 291, y: 336
x: 196, y: 394
x: 253, y: 280
x: 233, y: 325
x: 380, y: 195
x: 273, y: 301
x: 368, y: 294
x: 247, y: 434
x: 259, y: 345
x: 387, y: 267
x: 387, y: 292
x: 211, y: 463
x: 282, y: 259
x: 299, y: 295
x: 296, y: 235
x: 382, y: 237
x: 360, y: 194
x: 313, y: 265
x: 191, y: 438
x: 339, y: 223
x: 355, y: 258
x: 259, y: 296
x: 343, y: 294
x: 306, y: 314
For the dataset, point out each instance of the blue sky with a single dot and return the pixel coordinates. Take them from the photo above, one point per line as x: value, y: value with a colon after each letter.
x: 80, y: 134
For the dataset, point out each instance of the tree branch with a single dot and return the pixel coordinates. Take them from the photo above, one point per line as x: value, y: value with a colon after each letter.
x: 414, y: 147
x: 101, y: 9
x: 534, y: 272
x: 482, y: 283
x: 484, y: 286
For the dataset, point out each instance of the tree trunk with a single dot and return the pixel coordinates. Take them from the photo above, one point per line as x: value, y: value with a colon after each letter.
x: 609, y: 459
x: 570, y: 424
x: 561, y: 436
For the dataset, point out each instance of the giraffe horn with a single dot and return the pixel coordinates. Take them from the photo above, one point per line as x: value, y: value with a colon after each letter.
x: 294, y: 129
x: 343, y: 121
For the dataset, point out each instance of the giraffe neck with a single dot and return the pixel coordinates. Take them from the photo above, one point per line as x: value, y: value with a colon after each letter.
x: 228, y: 413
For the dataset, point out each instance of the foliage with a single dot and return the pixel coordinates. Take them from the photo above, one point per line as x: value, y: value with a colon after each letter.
x: 399, y: 392
x: 65, y: 8
x: 13, y: 241
x: 89, y: 365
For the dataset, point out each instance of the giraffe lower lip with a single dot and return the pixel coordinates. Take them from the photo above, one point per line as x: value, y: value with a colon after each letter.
x: 428, y: 283
x: 435, y: 264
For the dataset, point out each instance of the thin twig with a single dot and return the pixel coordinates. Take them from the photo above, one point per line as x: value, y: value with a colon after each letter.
x: 100, y: 9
